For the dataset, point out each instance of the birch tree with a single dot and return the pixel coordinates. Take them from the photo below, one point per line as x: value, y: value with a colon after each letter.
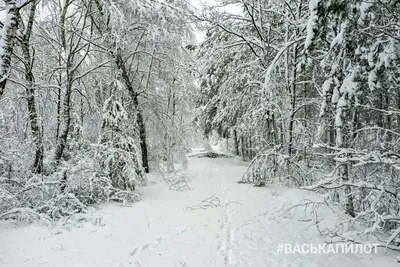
x: 8, y: 35
x: 28, y: 59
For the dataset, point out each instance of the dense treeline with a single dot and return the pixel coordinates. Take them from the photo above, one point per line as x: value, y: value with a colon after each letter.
x: 309, y: 92
x: 94, y: 93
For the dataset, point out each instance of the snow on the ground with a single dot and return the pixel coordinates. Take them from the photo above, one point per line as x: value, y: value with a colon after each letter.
x: 162, y: 231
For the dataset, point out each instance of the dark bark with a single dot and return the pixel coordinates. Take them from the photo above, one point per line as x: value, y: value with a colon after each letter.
x: 355, y: 125
x: 379, y: 104
x: 242, y: 146
x: 59, y: 102
x: 236, y: 142
x: 292, y: 102
x: 344, y: 172
x: 64, y: 179
x: 139, y: 118
x: 8, y: 38
x: 30, y: 92
x: 275, y: 131
x: 250, y: 148
x: 64, y: 130
x: 332, y: 134
x: 267, y: 134
x: 119, y: 61
x: 398, y: 107
x: 142, y: 136
x: 33, y: 117
x: 388, y: 117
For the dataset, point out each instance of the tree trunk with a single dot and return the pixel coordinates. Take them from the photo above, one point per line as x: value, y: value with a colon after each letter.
x: 30, y: 92
x: 33, y: 117
x: 250, y: 148
x: 398, y: 107
x: 65, y: 126
x: 59, y: 107
x: 236, y: 142
x: 64, y: 130
x: 388, y: 117
x: 344, y: 173
x: 292, y: 101
x: 275, y: 132
x: 139, y: 118
x: 142, y: 137
x: 7, y: 38
x: 342, y: 141
x: 332, y: 134
x: 242, y: 146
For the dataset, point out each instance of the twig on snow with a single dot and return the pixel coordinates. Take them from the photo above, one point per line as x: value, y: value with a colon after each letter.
x: 210, y: 202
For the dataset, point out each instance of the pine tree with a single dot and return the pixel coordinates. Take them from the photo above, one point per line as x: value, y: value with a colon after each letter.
x: 122, y: 161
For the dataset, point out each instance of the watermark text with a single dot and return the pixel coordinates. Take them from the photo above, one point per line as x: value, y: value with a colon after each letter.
x: 338, y: 248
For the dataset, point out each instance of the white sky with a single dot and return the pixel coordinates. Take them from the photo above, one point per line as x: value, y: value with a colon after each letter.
x: 234, y: 9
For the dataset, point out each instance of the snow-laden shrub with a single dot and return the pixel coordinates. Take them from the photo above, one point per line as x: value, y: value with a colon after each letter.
x: 29, y: 198
x: 274, y: 166
x: 90, y: 173
x: 62, y: 205
x: 85, y: 178
x: 122, y: 160
x: 264, y: 168
x: 108, y: 170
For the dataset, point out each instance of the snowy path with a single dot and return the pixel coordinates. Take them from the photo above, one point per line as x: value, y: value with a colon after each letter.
x: 161, y: 231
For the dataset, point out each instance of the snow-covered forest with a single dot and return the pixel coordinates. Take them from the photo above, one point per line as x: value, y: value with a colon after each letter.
x: 191, y: 133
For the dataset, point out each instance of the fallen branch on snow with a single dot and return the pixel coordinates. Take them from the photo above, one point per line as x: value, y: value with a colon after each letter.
x: 209, y: 154
x: 211, y: 202
x: 29, y: 213
x: 180, y: 185
x: 330, y: 185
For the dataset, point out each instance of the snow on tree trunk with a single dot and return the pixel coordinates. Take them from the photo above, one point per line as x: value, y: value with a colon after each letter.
x: 139, y: 117
x: 30, y: 91
x: 7, y: 41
